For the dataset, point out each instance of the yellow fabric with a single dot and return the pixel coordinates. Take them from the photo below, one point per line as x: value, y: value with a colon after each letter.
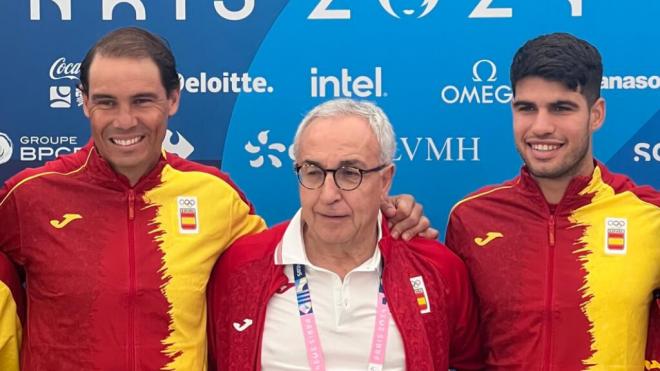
x: 10, y: 331
x: 222, y: 217
x: 609, y: 307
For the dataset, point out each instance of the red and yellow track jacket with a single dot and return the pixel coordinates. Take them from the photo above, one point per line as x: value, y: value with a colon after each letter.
x: 116, y: 275
x: 568, y: 289
x: 12, y: 311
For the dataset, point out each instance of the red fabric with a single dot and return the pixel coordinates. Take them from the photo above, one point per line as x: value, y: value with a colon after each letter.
x: 246, y: 277
x: 10, y: 277
x: 653, y: 338
x: 529, y: 281
x: 95, y: 287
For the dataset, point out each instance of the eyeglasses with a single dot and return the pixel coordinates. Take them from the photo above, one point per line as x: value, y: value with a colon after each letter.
x: 346, y: 178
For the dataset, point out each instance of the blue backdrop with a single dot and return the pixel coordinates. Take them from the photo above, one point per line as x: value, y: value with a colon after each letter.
x: 252, y: 68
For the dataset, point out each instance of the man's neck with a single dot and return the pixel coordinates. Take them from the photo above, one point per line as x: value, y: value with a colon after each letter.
x: 553, y: 189
x: 339, y: 258
x: 133, y: 175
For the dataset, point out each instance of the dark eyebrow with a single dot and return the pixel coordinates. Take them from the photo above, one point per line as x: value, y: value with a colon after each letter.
x: 564, y: 103
x: 523, y: 103
x: 145, y: 95
x: 96, y: 97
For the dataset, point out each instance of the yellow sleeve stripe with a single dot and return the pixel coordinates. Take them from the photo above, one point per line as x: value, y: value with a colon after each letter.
x: 479, y: 195
x: 44, y: 174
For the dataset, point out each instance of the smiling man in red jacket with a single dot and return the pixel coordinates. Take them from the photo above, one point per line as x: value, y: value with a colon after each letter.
x: 564, y: 257
x: 331, y: 289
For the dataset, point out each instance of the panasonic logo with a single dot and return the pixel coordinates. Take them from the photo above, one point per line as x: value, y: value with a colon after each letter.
x: 630, y: 82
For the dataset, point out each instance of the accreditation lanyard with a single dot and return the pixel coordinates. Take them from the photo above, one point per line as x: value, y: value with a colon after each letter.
x: 311, y: 332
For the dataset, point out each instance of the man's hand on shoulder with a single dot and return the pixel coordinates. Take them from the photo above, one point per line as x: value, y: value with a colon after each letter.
x: 406, y: 219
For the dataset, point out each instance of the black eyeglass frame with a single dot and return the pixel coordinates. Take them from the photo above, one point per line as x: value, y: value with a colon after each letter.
x: 297, y: 168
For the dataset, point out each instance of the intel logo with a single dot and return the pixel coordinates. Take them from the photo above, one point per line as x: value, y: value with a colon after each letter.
x: 346, y: 84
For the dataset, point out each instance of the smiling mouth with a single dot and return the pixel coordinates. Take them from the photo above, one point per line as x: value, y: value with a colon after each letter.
x: 545, y: 147
x: 127, y: 142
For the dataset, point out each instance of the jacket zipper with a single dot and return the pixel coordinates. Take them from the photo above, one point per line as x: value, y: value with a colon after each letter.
x: 549, y: 289
x: 395, y: 316
x: 131, y: 280
x: 262, y: 320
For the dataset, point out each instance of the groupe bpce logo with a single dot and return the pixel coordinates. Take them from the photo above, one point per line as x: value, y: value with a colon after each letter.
x: 6, y: 148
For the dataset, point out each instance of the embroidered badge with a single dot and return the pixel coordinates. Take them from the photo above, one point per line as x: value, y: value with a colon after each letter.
x: 188, y: 214
x: 616, y: 230
x: 420, y: 294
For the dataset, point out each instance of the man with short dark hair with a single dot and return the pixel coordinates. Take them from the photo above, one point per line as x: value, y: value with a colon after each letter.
x: 118, y: 240
x: 331, y: 289
x: 564, y: 257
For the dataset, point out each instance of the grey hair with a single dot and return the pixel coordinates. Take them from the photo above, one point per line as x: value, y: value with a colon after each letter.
x: 378, y: 121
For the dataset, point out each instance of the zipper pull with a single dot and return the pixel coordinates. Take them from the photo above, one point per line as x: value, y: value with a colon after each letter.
x: 131, y: 204
x: 551, y: 231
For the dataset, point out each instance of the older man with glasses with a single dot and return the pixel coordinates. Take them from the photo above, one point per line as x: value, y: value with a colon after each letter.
x: 331, y: 289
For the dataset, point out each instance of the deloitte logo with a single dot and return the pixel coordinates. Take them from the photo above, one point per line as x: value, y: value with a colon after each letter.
x: 226, y: 83
x: 484, y: 89
x: 6, y: 148
x: 425, y: 8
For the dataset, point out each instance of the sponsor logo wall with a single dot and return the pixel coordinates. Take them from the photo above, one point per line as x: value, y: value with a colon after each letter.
x: 250, y: 70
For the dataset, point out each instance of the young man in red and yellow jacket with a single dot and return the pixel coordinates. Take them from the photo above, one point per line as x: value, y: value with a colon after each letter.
x: 564, y: 257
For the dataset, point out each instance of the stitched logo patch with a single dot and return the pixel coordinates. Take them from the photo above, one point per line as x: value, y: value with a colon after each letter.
x: 66, y: 219
x: 420, y: 294
x: 616, y: 236
x: 188, y: 214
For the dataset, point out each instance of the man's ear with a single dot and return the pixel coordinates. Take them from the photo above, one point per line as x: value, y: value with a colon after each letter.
x: 173, y: 97
x: 597, y: 114
x: 387, y: 176
x: 86, y: 107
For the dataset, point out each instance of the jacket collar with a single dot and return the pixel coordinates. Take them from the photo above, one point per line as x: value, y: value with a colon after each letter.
x: 577, y: 187
x: 291, y: 248
x: 103, y: 174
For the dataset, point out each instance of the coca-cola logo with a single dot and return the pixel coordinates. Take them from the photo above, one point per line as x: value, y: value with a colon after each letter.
x: 63, y: 70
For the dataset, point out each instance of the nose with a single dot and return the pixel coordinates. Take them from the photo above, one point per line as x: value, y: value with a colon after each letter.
x: 330, y: 193
x: 543, y: 123
x: 125, y: 118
